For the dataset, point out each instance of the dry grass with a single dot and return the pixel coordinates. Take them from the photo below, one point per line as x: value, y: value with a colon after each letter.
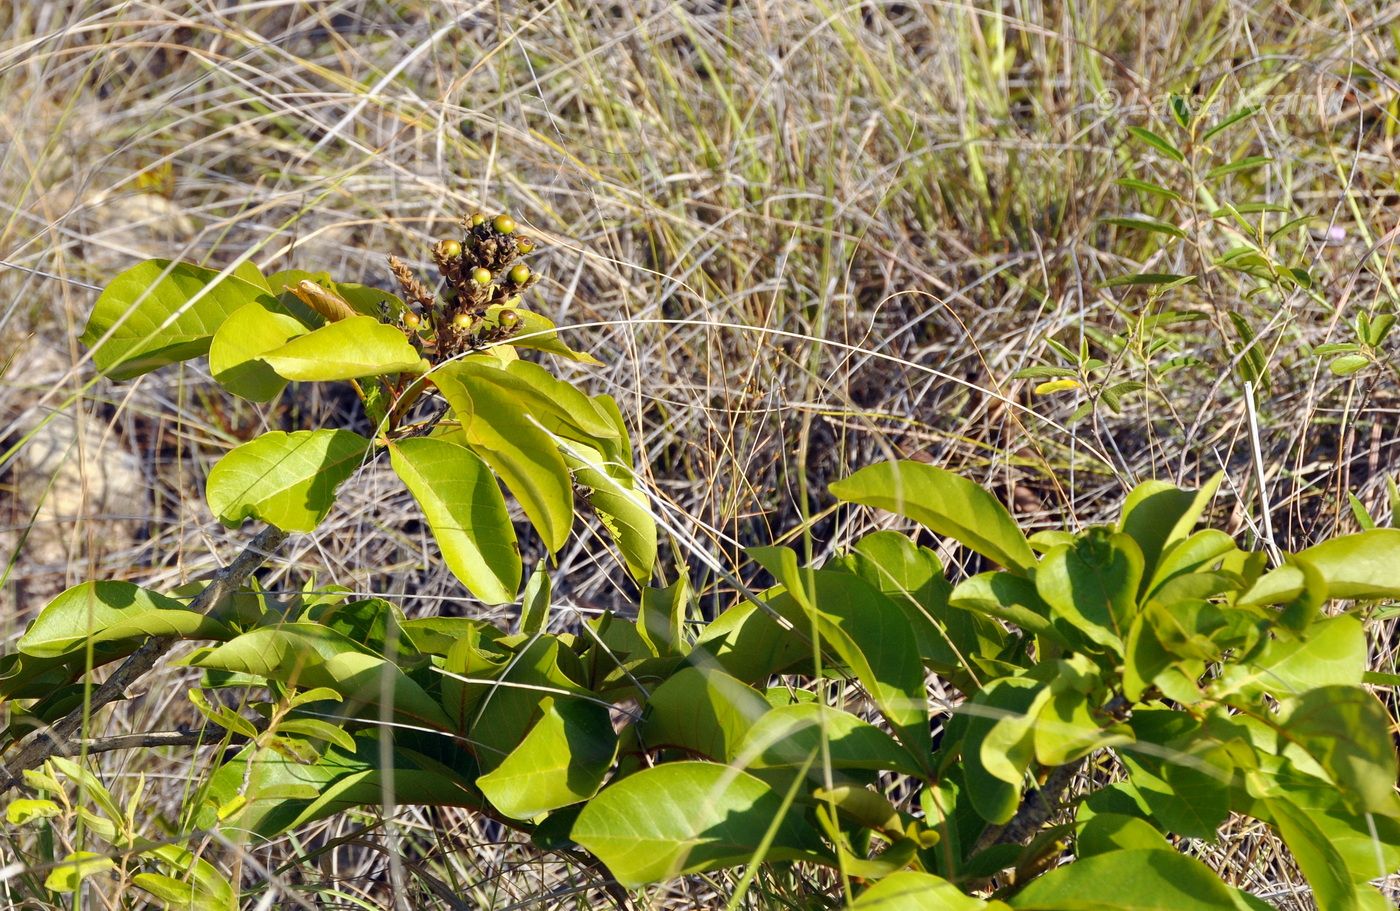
x: 802, y: 235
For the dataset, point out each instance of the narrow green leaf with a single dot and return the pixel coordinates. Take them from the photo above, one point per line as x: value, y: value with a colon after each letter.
x: 1157, y: 142
x: 1146, y: 224
x: 466, y: 511
x: 1165, y: 279
x: 285, y: 479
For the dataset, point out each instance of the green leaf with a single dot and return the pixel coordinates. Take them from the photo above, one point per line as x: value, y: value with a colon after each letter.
x: 206, y: 889
x: 23, y: 810
x: 534, y: 604
x: 661, y: 618
x: 1348, y: 364
x: 1133, y: 880
x: 1108, y: 832
x: 1243, y: 164
x: 538, y: 332
x: 517, y: 448
x: 624, y: 511
x: 704, y: 711
x: 235, y: 354
x: 1009, y: 700
x: 310, y: 655
x: 1320, y: 862
x: 1332, y: 654
x: 281, y: 793
x: 1007, y: 597
x: 1157, y: 515
x: 1360, y: 566
x: 1167, y: 279
x: 946, y: 504
x: 868, y: 632
x: 284, y: 479
x: 466, y: 511
x: 948, y: 641
x: 1146, y: 224
x: 1234, y: 118
x: 345, y: 350
x: 562, y: 761
x: 907, y: 890
x: 791, y: 736
x: 688, y: 817
x: 1346, y: 730
x: 159, y: 312
x: 1092, y: 586
x: 1144, y: 186
x: 110, y: 612
x: 69, y: 873
x: 1157, y: 142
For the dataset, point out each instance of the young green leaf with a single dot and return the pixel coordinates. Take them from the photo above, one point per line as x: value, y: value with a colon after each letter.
x: 345, y: 350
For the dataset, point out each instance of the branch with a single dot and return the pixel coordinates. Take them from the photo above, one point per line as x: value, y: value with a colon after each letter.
x: 209, y: 735
x: 59, y: 737
x: 1035, y: 810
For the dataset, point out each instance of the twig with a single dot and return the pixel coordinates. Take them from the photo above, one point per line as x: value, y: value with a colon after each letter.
x: 59, y: 737
x: 208, y: 735
x: 1037, y: 807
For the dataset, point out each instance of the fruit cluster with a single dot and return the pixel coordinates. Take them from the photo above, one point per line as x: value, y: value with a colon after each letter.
x: 483, y: 281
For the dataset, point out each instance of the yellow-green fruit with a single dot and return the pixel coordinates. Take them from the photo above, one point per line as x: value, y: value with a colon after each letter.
x: 504, y: 223
x: 478, y: 219
x: 463, y: 321
x: 520, y: 274
x: 524, y: 246
x: 508, y: 320
x: 481, y: 276
x: 449, y: 249
x: 411, y: 320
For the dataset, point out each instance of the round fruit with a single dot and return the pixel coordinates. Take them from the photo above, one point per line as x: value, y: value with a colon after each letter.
x: 524, y: 246
x: 411, y: 320
x: 449, y: 249
x: 481, y: 276
x: 463, y: 321
x: 504, y: 224
x: 520, y: 274
x: 508, y: 320
x: 478, y: 220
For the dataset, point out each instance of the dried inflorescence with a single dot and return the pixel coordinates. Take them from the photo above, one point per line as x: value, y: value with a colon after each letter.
x: 483, y: 280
